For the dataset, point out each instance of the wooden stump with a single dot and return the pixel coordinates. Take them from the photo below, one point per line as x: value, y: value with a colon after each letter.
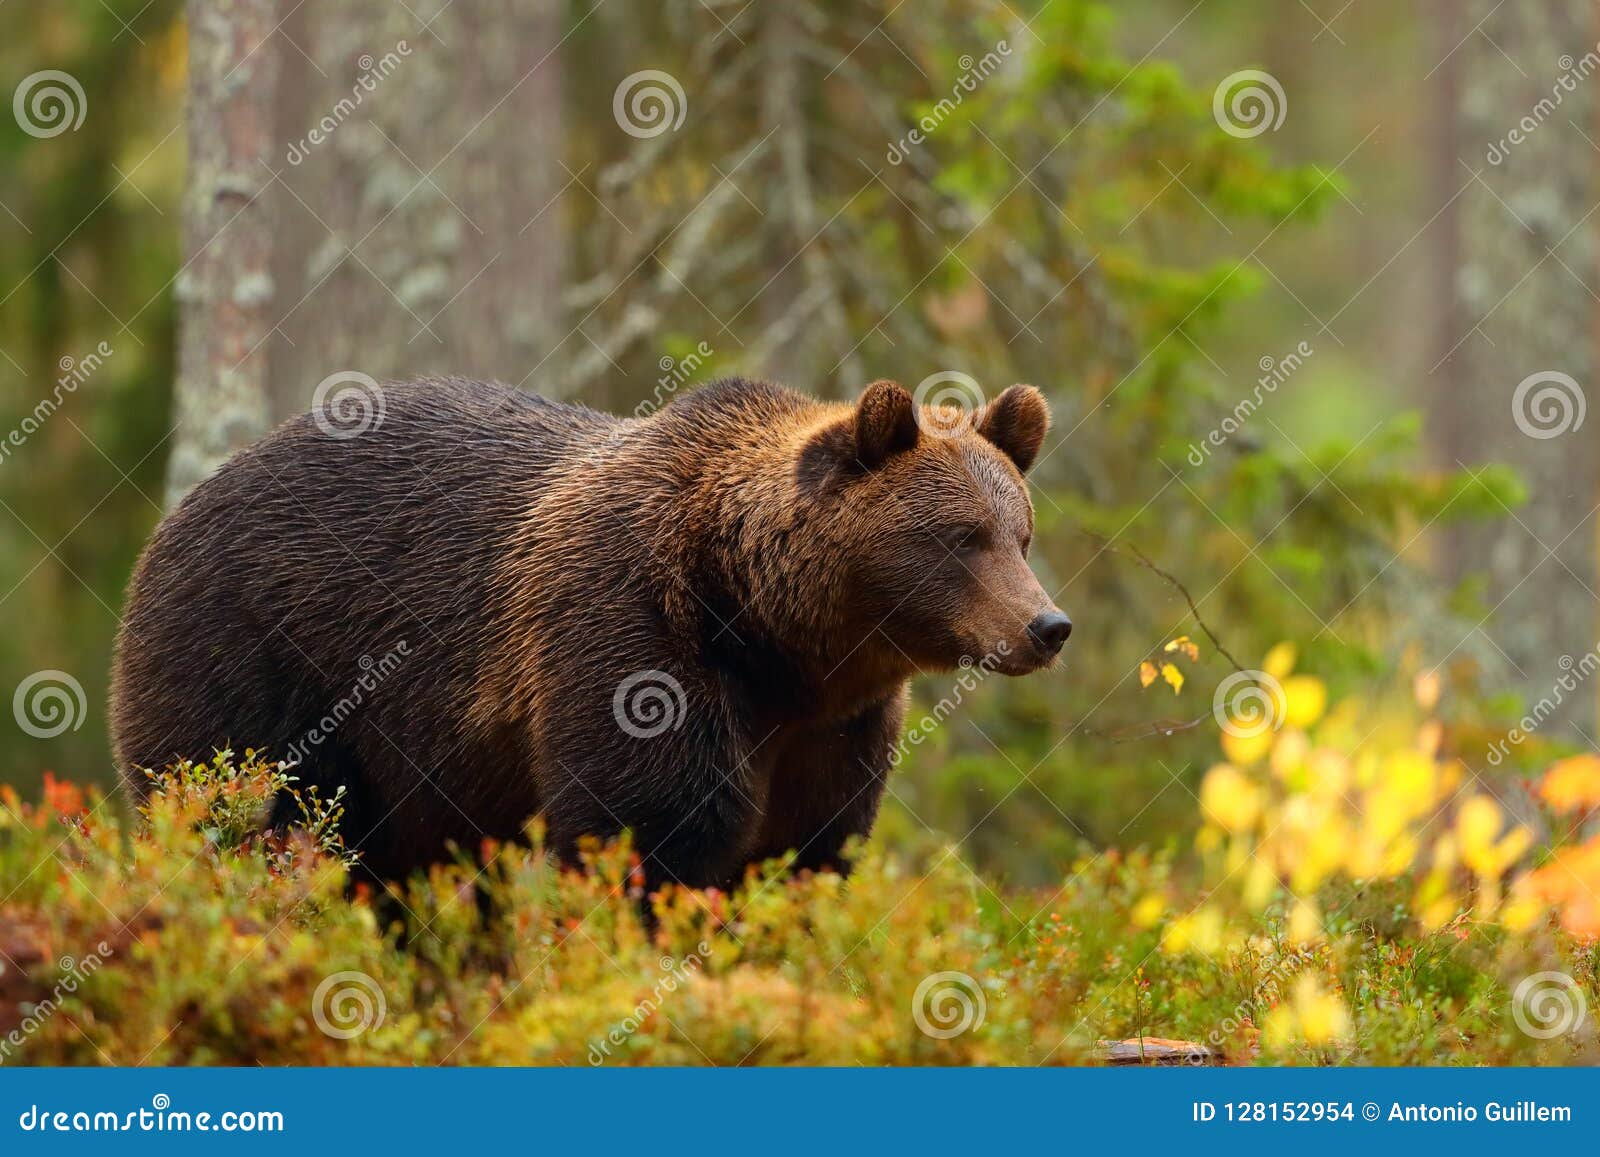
x: 1155, y: 1050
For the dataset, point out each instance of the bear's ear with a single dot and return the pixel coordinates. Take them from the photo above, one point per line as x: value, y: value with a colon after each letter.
x: 886, y: 423
x: 1016, y: 422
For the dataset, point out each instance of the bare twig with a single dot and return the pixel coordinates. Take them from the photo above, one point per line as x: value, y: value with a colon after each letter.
x: 1173, y: 581
x: 1156, y: 729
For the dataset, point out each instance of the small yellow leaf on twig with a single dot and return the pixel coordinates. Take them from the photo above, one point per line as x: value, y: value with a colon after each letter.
x: 1172, y: 675
x: 1186, y: 645
x: 1147, y: 673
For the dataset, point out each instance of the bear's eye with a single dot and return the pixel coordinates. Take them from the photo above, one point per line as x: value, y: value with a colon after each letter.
x: 960, y: 539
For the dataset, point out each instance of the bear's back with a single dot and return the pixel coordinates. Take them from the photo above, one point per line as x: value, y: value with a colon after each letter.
x: 289, y: 575
x: 430, y: 482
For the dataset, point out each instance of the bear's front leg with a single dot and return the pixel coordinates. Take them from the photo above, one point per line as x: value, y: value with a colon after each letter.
x: 680, y: 779
x: 826, y: 787
x: 701, y: 844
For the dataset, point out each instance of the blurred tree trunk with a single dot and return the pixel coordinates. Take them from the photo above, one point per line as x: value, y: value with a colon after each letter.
x: 225, y: 288
x: 802, y: 305
x: 422, y: 233
x: 1594, y: 364
x: 1451, y: 442
x: 1517, y: 266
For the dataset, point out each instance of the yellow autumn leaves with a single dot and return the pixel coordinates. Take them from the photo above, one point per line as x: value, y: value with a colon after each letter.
x: 1310, y: 1016
x: 1363, y: 792
x: 1572, y: 785
x: 1167, y: 669
x: 1253, y: 705
x: 1569, y: 884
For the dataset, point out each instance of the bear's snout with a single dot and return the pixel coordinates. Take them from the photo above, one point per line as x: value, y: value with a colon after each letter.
x: 1049, y: 631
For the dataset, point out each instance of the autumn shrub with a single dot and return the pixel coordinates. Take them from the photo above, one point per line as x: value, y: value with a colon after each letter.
x: 188, y: 936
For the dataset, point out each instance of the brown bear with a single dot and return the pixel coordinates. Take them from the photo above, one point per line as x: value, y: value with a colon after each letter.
x: 697, y: 626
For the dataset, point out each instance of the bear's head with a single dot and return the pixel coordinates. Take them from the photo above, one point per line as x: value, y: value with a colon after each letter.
x: 930, y: 517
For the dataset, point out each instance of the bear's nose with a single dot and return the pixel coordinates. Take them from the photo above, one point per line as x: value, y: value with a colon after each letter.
x: 1049, y: 631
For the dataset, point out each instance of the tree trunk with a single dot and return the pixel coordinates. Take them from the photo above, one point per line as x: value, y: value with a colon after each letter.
x: 1524, y: 251
x: 225, y: 288
x: 1450, y: 440
x: 422, y: 163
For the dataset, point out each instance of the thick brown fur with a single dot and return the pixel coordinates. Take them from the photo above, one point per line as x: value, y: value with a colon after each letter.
x: 772, y: 568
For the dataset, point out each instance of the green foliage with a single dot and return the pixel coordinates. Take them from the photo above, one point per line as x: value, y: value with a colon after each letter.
x: 188, y: 940
x: 89, y: 254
